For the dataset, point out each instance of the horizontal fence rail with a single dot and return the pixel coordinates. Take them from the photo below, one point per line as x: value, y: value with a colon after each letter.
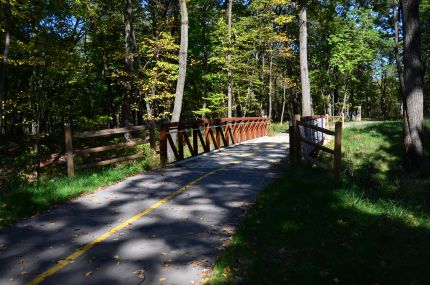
x: 71, y: 153
x: 201, y: 136
x: 305, y: 132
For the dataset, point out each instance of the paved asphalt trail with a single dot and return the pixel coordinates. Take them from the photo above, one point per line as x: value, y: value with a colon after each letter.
x: 172, y: 244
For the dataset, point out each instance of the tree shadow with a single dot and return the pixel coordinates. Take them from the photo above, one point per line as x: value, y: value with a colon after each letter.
x: 175, y: 241
x: 312, y: 233
x: 377, y: 174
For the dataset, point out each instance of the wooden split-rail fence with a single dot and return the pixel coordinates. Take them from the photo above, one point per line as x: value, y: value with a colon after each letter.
x: 72, y: 153
x: 194, y: 137
x: 312, y: 131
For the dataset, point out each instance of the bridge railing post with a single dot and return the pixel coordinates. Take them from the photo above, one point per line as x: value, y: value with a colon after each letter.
x: 163, y: 145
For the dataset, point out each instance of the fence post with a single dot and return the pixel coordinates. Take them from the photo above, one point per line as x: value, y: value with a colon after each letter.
x: 181, y: 135
x: 291, y: 135
x: 163, y: 145
x: 152, y: 138
x: 358, y: 114
x: 296, y: 134
x: 337, y: 152
x: 69, y: 150
x: 195, y: 140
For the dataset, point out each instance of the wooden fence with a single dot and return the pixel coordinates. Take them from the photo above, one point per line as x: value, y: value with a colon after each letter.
x: 72, y: 153
x: 198, y: 136
x: 202, y: 136
x: 332, y: 120
x: 299, y: 136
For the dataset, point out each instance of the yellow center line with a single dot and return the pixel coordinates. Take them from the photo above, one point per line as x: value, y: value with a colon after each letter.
x: 83, y: 249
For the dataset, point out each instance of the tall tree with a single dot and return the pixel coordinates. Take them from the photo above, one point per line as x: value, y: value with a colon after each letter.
x: 413, y: 93
x: 183, y: 49
x: 396, y: 13
x: 5, y: 60
x: 304, y: 71
x: 130, y: 49
x: 229, y: 72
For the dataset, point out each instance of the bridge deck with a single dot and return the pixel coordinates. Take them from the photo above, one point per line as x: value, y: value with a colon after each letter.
x: 165, y: 226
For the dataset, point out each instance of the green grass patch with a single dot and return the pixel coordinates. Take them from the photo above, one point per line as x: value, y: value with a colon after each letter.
x: 276, y: 128
x: 375, y: 229
x: 19, y: 200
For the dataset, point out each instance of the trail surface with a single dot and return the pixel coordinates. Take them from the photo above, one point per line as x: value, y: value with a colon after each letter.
x: 160, y: 227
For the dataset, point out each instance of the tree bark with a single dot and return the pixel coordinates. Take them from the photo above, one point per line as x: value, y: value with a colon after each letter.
x: 284, y: 101
x: 270, y: 82
x: 130, y: 49
x: 396, y: 14
x: 413, y: 92
x: 180, y: 84
x: 383, y: 101
x: 304, y: 72
x: 5, y: 61
x: 229, y: 72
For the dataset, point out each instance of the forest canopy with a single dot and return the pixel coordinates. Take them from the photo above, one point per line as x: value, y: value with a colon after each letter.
x: 92, y: 62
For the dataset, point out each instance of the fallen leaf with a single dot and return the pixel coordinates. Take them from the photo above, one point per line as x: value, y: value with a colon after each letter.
x: 89, y: 273
x: 162, y: 279
x: 167, y: 263
x: 140, y: 273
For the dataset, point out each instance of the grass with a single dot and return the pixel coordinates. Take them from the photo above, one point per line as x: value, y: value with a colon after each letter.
x: 276, y: 128
x: 375, y: 229
x: 20, y: 200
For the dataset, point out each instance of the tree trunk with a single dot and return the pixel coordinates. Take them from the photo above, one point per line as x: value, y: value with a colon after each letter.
x: 383, y: 102
x: 284, y: 101
x: 177, y: 108
x: 5, y: 61
x: 180, y: 84
x: 270, y: 82
x: 130, y: 50
x: 396, y: 13
x: 229, y: 72
x: 304, y: 72
x: 413, y: 93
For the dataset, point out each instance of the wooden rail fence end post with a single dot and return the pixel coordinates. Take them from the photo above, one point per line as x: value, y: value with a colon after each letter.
x: 296, y: 146
x: 337, y: 153
x: 69, y: 150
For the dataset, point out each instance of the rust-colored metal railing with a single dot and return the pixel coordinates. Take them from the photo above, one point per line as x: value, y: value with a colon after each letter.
x: 201, y: 136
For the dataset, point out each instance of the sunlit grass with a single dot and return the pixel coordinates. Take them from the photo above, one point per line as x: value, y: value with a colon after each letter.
x: 302, y: 230
x: 276, y: 128
x: 18, y: 201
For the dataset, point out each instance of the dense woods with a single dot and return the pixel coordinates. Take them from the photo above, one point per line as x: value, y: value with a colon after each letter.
x: 101, y: 64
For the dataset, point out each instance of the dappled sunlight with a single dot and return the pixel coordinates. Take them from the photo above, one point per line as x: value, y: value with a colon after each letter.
x: 184, y: 235
x: 374, y: 229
